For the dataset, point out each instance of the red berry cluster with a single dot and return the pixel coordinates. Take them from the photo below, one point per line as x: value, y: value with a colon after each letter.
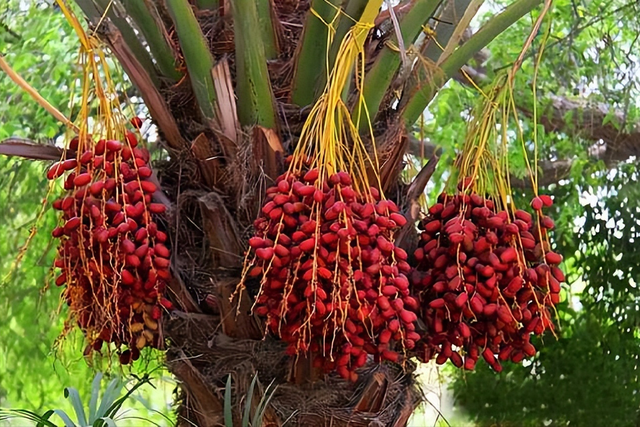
x: 333, y: 282
x: 486, y: 279
x: 112, y: 256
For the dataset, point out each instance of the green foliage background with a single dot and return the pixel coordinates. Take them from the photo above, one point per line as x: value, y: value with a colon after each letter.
x: 36, y: 40
x: 588, y: 376
x: 29, y: 372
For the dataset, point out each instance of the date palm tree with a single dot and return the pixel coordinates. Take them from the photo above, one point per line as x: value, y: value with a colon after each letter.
x: 228, y: 85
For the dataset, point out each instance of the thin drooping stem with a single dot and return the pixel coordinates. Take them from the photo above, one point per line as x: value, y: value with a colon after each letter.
x: 253, y: 87
x: 154, y: 33
x: 419, y: 100
x: 22, y: 83
x: 196, y: 54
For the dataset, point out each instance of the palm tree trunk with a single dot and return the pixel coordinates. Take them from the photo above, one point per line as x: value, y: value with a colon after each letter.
x: 216, y: 198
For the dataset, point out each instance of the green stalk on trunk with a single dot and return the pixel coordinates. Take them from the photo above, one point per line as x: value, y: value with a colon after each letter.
x: 253, y: 87
x: 151, y: 27
x: 311, y: 58
x: 380, y: 77
x: 418, y: 102
x: 207, y: 4
x: 196, y: 54
x: 269, y: 39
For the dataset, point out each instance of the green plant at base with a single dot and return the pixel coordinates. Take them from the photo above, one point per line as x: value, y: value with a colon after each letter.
x: 258, y: 414
x: 100, y: 412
